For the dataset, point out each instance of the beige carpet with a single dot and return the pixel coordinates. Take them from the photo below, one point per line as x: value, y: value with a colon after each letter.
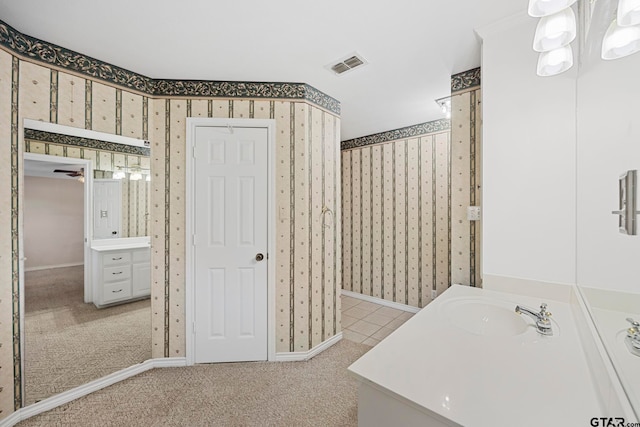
x: 69, y: 343
x: 318, y: 392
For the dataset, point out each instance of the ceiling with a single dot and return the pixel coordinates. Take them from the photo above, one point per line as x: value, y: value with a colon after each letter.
x: 412, y: 46
x: 44, y: 169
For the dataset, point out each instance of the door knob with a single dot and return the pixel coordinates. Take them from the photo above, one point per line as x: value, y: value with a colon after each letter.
x: 259, y: 257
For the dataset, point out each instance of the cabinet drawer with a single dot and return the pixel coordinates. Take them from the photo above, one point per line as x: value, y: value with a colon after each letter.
x: 116, y: 291
x: 116, y: 273
x: 141, y: 255
x: 115, y: 258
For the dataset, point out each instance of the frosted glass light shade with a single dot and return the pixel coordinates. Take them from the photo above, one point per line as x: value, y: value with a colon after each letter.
x: 555, y: 61
x: 118, y: 175
x: 620, y: 41
x: 135, y: 176
x: 628, y: 12
x: 555, y: 31
x: 540, y: 8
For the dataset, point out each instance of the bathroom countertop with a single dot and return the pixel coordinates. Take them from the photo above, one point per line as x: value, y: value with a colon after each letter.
x: 480, y: 380
x: 102, y: 245
x: 612, y: 328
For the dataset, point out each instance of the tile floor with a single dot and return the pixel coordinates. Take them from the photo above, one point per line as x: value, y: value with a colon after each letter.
x: 368, y: 323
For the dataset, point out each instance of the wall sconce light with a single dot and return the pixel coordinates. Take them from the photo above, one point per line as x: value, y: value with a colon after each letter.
x: 555, y: 61
x: 445, y: 106
x: 628, y: 12
x: 557, y: 29
x: 119, y: 174
x: 554, y: 33
x: 135, y: 173
x: 540, y: 8
x: 620, y: 41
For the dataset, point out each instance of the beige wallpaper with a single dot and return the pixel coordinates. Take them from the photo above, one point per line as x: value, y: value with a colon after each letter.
x: 466, y: 186
x: 8, y: 283
x: 395, y: 218
x: 135, y: 208
x: 307, y: 187
x: 405, y: 228
x: 307, y: 305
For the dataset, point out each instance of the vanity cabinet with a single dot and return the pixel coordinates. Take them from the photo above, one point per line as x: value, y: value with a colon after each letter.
x: 140, y: 273
x: 120, y: 275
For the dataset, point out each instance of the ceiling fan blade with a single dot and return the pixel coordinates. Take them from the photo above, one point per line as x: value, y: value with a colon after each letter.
x: 73, y: 174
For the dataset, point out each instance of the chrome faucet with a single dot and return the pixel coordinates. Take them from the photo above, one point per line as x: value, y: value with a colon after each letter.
x: 633, y: 336
x: 543, y: 323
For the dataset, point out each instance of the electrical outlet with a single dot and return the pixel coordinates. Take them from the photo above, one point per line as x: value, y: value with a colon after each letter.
x: 434, y: 294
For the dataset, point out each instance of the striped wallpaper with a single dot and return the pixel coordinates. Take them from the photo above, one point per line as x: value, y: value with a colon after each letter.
x: 466, y: 186
x: 396, y: 218
x: 307, y: 148
x: 405, y: 227
x: 307, y: 255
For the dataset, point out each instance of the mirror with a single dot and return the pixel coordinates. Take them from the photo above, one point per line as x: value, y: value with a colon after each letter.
x: 121, y: 198
x: 79, y: 323
x: 608, y: 145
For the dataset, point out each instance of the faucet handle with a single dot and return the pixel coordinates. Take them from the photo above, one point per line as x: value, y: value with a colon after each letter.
x: 634, y: 330
x: 543, y: 310
x: 633, y: 334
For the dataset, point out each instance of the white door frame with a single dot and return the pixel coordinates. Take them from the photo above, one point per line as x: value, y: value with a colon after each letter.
x: 88, y: 217
x: 270, y: 125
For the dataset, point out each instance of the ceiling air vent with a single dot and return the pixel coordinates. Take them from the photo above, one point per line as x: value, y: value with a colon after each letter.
x: 346, y: 64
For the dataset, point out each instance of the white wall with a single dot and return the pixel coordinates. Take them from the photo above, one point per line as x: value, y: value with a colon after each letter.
x: 608, y: 145
x: 53, y: 222
x: 529, y: 167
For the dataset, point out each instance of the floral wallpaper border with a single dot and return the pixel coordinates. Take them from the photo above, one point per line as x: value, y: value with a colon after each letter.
x: 77, y: 141
x: 393, y: 135
x: 465, y: 80
x: 53, y: 55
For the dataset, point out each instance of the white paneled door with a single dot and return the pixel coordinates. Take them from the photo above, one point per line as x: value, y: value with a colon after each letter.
x: 230, y: 243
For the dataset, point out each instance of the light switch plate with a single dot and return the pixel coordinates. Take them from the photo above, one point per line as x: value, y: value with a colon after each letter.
x: 473, y: 213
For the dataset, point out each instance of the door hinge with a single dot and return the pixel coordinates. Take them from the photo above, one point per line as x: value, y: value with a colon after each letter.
x: 193, y: 324
x: 193, y: 240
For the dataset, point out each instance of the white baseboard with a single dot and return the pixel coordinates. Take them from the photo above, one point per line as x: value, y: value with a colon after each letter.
x: 85, y: 389
x: 301, y: 356
x: 381, y: 301
x: 48, y: 267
